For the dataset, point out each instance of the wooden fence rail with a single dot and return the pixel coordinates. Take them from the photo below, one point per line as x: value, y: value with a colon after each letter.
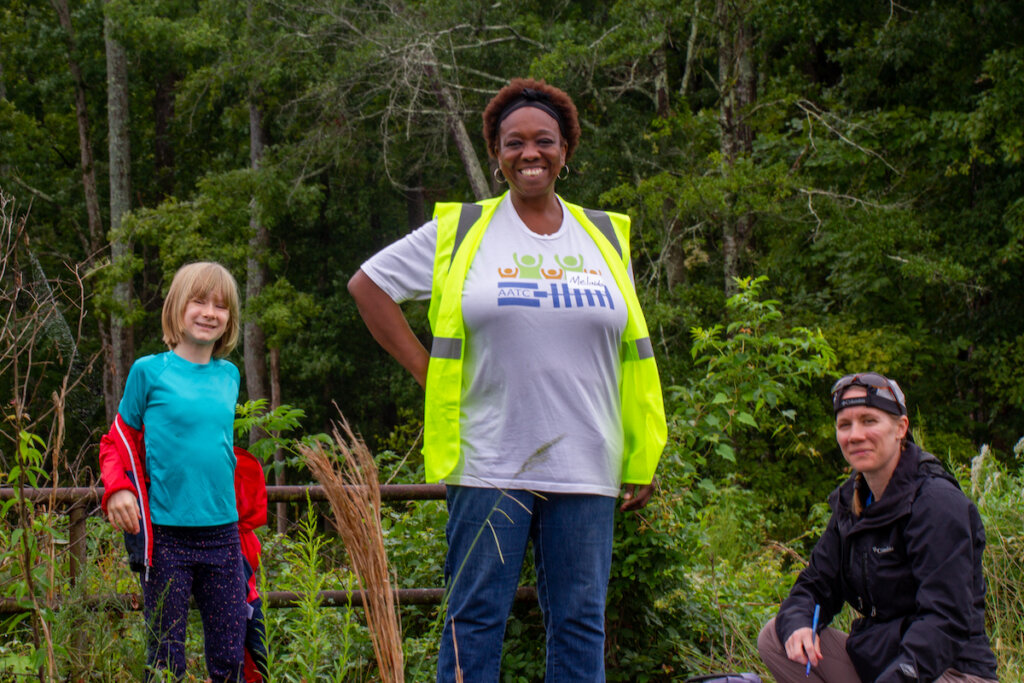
x: 80, y: 502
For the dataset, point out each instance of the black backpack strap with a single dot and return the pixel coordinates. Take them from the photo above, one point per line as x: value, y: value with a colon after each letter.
x: 746, y: 677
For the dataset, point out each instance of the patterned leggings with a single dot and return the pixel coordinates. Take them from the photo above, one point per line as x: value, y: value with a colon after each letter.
x: 205, y: 563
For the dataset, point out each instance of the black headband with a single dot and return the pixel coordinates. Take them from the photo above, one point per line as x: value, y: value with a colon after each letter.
x: 871, y: 400
x: 873, y: 383
x: 534, y: 98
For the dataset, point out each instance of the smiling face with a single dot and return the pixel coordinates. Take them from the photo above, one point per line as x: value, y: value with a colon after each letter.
x: 205, y: 320
x: 870, y: 438
x: 531, y: 152
x: 201, y: 310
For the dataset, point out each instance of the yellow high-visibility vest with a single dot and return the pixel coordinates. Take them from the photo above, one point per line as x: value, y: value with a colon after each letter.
x: 460, y: 229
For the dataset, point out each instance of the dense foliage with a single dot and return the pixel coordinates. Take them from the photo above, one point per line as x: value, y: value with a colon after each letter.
x: 815, y: 187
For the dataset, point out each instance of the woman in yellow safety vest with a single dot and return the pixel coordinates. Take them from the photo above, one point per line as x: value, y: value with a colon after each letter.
x: 542, y: 396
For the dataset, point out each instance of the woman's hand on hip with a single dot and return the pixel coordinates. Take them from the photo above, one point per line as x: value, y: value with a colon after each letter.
x: 636, y: 497
x: 387, y: 324
x: 123, y: 511
x: 802, y: 645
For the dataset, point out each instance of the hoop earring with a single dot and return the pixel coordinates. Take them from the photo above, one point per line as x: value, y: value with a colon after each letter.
x: 499, y: 176
x: 566, y: 169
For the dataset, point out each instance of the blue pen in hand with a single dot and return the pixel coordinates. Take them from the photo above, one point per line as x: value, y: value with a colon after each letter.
x: 814, y: 634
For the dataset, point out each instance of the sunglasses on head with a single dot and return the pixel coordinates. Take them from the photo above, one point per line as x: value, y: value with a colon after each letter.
x: 895, y: 403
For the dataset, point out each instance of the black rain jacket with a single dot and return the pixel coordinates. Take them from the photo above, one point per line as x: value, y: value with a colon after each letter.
x: 911, y: 566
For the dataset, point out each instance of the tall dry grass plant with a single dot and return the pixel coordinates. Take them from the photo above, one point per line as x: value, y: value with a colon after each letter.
x: 996, y: 492
x: 349, y: 477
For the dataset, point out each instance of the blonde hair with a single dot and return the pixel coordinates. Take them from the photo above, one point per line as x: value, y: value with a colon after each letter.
x: 198, y: 281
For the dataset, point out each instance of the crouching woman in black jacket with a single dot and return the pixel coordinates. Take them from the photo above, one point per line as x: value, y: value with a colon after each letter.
x: 903, y: 547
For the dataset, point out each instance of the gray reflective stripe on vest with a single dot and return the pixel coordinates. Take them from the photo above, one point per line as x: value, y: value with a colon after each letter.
x: 446, y: 347
x: 644, y: 348
x: 469, y: 215
x: 604, y: 223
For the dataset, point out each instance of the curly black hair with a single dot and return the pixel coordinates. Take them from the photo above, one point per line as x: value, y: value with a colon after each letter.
x: 559, y: 101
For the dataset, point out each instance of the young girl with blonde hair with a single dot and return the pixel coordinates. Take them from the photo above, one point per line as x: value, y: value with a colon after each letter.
x: 168, y: 467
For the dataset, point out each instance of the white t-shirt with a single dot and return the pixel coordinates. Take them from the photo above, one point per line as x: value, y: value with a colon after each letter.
x: 544, y: 321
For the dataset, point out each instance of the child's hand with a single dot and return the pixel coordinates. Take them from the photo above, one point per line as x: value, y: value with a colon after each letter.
x: 123, y: 511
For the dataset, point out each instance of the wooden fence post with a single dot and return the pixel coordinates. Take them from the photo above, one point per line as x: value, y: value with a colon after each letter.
x: 76, y: 542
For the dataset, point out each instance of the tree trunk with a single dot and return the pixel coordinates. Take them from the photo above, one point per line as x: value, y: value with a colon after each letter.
x: 163, y: 152
x: 737, y: 91
x: 121, y: 337
x: 275, y: 402
x: 254, y: 341
x: 92, y: 200
x: 661, y: 79
x: 460, y: 136
x: 691, y: 50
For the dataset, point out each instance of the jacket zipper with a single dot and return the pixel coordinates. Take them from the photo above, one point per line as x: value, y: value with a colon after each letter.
x: 864, y: 578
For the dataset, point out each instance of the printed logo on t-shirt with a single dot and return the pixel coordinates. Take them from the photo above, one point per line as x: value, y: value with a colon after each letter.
x: 567, y: 283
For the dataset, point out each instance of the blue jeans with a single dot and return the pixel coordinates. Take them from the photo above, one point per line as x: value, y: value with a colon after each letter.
x: 488, y: 530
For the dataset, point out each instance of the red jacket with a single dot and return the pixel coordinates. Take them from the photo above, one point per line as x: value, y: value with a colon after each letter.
x: 123, y: 466
x: 251, y: 499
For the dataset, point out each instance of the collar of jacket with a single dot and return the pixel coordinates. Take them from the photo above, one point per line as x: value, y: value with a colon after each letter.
x: 915, y: 467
